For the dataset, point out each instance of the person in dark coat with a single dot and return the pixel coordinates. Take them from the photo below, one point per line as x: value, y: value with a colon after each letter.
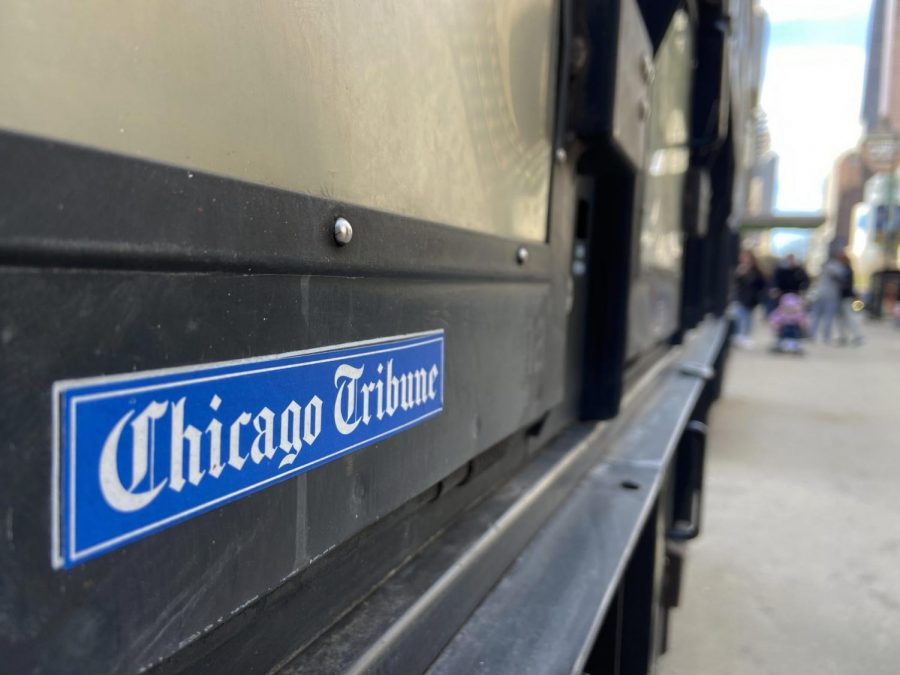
x: 790, y: 277
x: 750, y: 283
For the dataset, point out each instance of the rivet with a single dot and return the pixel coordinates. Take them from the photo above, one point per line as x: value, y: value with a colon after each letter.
x: 343, y: 231
x: 561, y: 155
x: 521, y: 255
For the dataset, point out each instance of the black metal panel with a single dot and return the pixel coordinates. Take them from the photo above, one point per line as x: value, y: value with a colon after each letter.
x: 695, y: 220
x: 596, y: 27
x: 709, y: 116
x: 721, y: 253
x: 611, y: 70
x: 134, y: 606
x: 69, y: 206
x: 611, y: 203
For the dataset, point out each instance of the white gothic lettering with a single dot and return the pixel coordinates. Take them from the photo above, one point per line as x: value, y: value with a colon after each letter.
x: 198, y: 452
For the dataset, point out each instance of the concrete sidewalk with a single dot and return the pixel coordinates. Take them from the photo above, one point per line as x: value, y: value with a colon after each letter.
x: 798, y: 567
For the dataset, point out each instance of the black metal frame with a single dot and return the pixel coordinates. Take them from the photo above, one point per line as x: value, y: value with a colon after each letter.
x: 142, y: 266
x: 134, y: 265
x: 69, y: 206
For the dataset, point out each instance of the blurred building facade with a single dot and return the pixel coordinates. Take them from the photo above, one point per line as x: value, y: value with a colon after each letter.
x: 764, y: 169
x: 761, y: 161
x: 881, y: 95
x: 855, y: 220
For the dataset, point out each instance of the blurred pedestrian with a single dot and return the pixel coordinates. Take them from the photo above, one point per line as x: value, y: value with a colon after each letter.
x: 848, y: 324
x: 789, y: 277
x: 750, y: 283
x: 790, y: 322
x: 828, y: 291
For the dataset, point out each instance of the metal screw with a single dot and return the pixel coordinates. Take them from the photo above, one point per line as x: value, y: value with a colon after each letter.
x: 561, y: 155
x: 580, y: 251
x: 343, y: 231
x: 521, y: 255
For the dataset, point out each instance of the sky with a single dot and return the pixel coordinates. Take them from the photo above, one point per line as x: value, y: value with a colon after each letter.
x: 812, y: 91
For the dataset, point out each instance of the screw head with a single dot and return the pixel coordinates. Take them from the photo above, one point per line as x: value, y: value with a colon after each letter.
x: 521, y: 255
x: 343, y: 231
x: 561, y: 155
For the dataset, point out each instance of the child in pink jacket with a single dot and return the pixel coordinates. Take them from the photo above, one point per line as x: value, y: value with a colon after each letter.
x: 790, y: 323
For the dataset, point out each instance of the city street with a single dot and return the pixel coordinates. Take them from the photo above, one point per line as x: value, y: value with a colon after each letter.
x: 798, y: 567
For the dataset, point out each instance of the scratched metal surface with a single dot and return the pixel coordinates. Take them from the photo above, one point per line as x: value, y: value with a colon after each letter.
x: 436, y: 110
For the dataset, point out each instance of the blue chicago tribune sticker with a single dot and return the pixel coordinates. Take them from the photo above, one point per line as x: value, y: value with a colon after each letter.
x: 136, y: 453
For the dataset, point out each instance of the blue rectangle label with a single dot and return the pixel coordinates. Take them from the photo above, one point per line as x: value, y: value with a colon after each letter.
x: 136, y: 453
